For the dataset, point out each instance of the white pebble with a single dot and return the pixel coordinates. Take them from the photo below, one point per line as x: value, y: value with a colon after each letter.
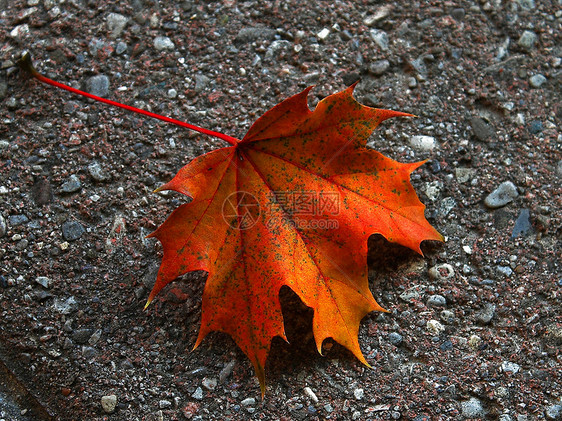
x: 424, y: 143
x: 308, y: 392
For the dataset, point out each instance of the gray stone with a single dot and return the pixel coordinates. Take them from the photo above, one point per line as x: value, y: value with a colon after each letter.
x: 442, y: 271
x: 553, y: 412
x: 227, y: 371
x: 505, y: 193
x: 81, y: 336
x: 3, y: 90
x: 3, y: 226
x: 359, y: 394
x: 380, y: 38
x: 486, y: 314
x: 527, y: 40
x: 472, y: 408
x: 198, y: 394
x: 423, y: 143
x: 505, y: 270
x: 109, y: 403
x: 436, y: 301
x: 482, y: 130
x: 96, y: 172
x: 116, y: 23
x: 98, y: 85
x: 522, y: 224
x: 379, y: 67
x: 248, y: 402
x: 458, y: 13
x: 88, y: 352
x: 537, y: 80
x: 201, y: 82
x: 120, y: 48
x: 72, y: 230
x: 526, y: 4
x: 395, y: 338
x: 246, y: 35
x: 16, y: 220
x: 43, y: 281
x: 509, y: 367
x: 163, y: 43
x: 209, y: 383
x: 71, y: 185
x: 164, y: 404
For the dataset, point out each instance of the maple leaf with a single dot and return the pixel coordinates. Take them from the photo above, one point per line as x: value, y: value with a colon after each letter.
x: 293, y: 203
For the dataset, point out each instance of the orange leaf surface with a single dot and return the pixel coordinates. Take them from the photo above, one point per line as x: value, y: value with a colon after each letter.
x: 292, y: 203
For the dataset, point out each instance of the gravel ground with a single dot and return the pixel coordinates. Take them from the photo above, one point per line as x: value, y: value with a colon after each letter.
x: 475, y: 327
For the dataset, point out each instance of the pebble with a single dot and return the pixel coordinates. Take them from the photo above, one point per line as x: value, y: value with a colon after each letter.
x: 395, y: 338
x: 486, y: 315
x: 198, y: 394
x: 522, y: 224
x: 474, y: 341
x: 535, y: 127
x: 537, y: 80
x: 116, y: 23
x: 43, y: 281
x: 379, y: 67
x: 472, y: 408
x: 96, y: 172
x: 163, y: 43
x: 98, y: 85
x: 323, y: 34
x: 436, y: 301
x: 441, y: 272
x: 447, y: 316
x: 553, y: 412
x: 380, y: 38
x: 88, y: 352
x: 201, y: 82
x: 108, y: 403
x: 226, y: 371
x: 509, y: 367
x: 248, y: 402
x: 359, y: 394
x: 308, y: 392
x: 164, y: 404
x: 172, y: 93
x: 481, y: 129
x: 81, y: 336
x: 527, y: 40
x: 505, y: 193
x: 247, y: 35
x: 3, y: 226
x: 16, y: 220
x: 209, y: 383
x: 458, y: 13
x: 381, y: 13
x: 120, y: 48
x: 505, y: 270
x: 423, y: 143
x: 71, y: 185
x: 435, y: 327
x: 72, y: 230
x: 42, y: 192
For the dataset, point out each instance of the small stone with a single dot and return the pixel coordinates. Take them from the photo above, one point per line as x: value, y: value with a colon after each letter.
x: 98, y: 85
x: 198, y: 394
x: 537, y: 80
x: 359, y: 394
x: 381, y: 13
x: 535, y: 127
x: 481, y: 129
x: 42, y: 192
x: 486, y: 314
x: 164, y: 404
x: 96, y: 172
x: 248, y: 402
x: 201, y: 82
x: 247, y: 35
x: 553, y: 412
x: 379, y: 67
x: 505, y: 270
x: 509, y: 367
x: 116, y: 23
x: 43, y: 281
x: 108, y: 403
x: 442, y: 272
x: 527, y: 40
x: 120, y: 48
x: 380, y: 38
x: 472, y: 408
x: 81, y: 336
x: 88, y: 352
x: 526, y: 4
x: 474, y: 341
x: 412, y: 82
x: 447, y: 316
x: 423, y: 143
x: 522, y: 224
x: 172, y: 93
x: 458, y: 13
x: 209, y: 383
x: 16, y: 220
x: 163, y: 43
x: 3, y: 226
x: 20, y: 31
x: 308, y: 392
x: 436, y: 301
x: 435, y: 327
x: 395, y: 338
x: 72, y: 230
x: 323, y: 34
x: 505, y: 193
x: 464, y: 174
x: 226, y: 371
x: 71, y: 185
